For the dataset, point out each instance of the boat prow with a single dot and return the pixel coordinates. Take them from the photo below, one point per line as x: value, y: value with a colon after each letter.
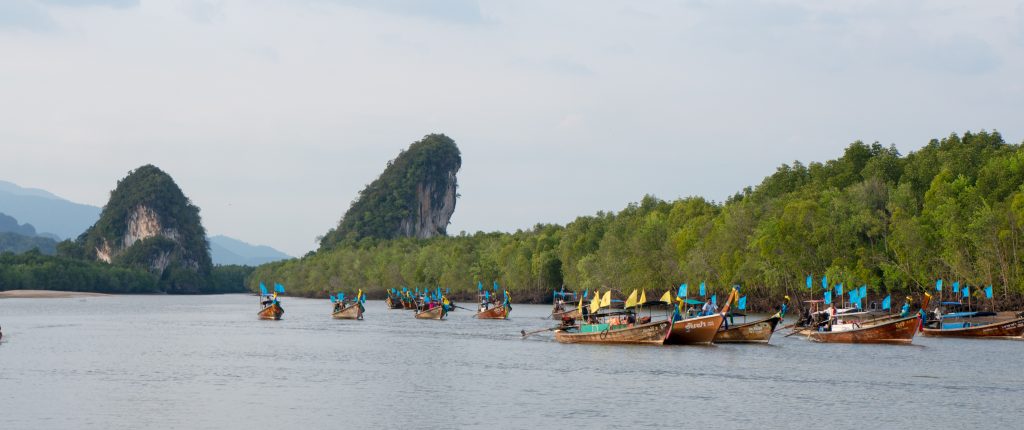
x: 436, y: 313
x: 695, y: 331
x: 272, y: 312
x: 752, y: 332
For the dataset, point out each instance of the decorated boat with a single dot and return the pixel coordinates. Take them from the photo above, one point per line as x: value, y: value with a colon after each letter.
x: 626, y: 326
x: 271, y: 307
x: 896, y: 329
x: 489, y: 308
x: 496, y: 313
x: 435, y: 313
x: 751, y: 332
x: 348, y: 309
x: 696, y: 329
x: 563, y: 305
x: 957, y: 319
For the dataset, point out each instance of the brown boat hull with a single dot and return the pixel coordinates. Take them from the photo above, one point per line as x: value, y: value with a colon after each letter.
x: 408, y: 305
x: 571, y: 313
x: 272, y: 312
x: 753, y: 332
x: 431, y: 314
x: 648, y: 334
x: 351, y: 312
x: 1003, y: 329
x: 898, y: 331
x: 695, y: 331
x: 496, y: 313
x: 393, y: 304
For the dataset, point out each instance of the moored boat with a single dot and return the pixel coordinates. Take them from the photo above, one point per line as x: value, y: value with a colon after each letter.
x: 436, y: 313
x: 651, y: 333
x: 896, y: 330
x: 352, y: 311
x: 752, y: 332
x: 695, y: 331
x: 272, y: 309
x: 975, y: 324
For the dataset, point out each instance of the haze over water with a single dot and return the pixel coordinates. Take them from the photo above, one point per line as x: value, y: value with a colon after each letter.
x: 129, y: 362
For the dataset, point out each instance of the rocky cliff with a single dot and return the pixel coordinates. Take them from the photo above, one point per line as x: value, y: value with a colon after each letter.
x: 414, y: 196
x: 149, y: 223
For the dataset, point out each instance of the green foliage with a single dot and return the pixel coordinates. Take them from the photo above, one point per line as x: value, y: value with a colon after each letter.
x: 952, y: 210
x: 34, y: 271
x: 229, y: 279
x: 391, y: 198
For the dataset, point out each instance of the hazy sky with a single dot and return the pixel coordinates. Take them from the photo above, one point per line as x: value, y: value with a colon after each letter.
x: 272, y: 115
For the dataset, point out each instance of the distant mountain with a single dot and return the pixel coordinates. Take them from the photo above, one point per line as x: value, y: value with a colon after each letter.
x: 18, y: 238
x: 51, y: 216
x: 48, y: 213
x: 226, y: 250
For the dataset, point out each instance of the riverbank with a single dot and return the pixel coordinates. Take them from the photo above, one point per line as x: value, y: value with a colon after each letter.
x: 45, y: 294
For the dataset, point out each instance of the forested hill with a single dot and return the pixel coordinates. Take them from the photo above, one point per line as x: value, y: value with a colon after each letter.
x: 413, y: 197
x: 953, y: 209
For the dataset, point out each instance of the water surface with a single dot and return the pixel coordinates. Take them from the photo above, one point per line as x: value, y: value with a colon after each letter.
x: 206, y: 362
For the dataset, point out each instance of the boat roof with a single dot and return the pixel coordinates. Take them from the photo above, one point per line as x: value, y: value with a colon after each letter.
x: 952, y: 303
x: 968, y: 314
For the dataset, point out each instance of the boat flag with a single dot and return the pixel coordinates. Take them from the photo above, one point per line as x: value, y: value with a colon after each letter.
x: 714, y: 300
x: 809, y: 281
x: 487, y: 295
x: 839, y: 290
x: 595, y: 303
x: 585, y: 292
x: 631, y: 300
x: 703, y: 291
x: 643, y: 296
x: 279, y: 288
x: 495, y: 286
x: 966, y: 292
x: 824, y: 281
x: 333, y: 299
x: 988, y: 292
x: 938, y: 285
x: 854, y: 297
x: 607, y: 299
x: 828, y: 297
x: 956, y: 287
x: 341, y: 297
x: 263, y: 289
x: 683, y: 291
x: 479, y: 285
x: 863, y: 292
x: 580, y: 306
x: 667, y: 297
x: 887, y: 303
x: 742, y: 305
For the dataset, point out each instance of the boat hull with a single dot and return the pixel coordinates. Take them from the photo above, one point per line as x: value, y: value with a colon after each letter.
x: 897, y: 331
x: 351, y: 312
x: 496, y: 313
x: 272, y: 312
x: 393, y: 303
x: 1003, y: 329
x: 753, y: 332
x: 571, y: 314
x: 647, y: 334
x: 695, y: 331
x: 431, y: 314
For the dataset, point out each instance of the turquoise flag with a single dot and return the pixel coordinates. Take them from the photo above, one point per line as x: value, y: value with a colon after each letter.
x: 809, y: 282
x: 683, y: 290
x: 743, y: 303
x: 828, y: 297
x: 824, y: 281
x: 938, y: 285
x: 887, y: 303
x: 988, y: 292
x: 703, y: 292
x: 839, y: 289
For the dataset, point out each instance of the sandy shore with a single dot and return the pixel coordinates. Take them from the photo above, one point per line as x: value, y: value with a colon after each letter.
x: 44, y: 294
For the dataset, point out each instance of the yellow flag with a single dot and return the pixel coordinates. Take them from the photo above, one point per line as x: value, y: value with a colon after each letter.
x: 607, y: 299
x: 643, y: 297
x: 580, y: 307
x: 667, y: 297
x: 631, y: 300
x: 595, y: 303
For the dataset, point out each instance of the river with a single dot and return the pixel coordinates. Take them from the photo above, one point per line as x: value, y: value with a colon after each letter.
x: 206, y: 362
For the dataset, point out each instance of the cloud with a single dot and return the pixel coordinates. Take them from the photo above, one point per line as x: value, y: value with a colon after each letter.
x: 455, y: 11
x: 24, y: 15
x: 117, y: 4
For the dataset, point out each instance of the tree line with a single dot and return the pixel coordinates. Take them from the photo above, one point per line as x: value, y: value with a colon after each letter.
x: 953, y: 209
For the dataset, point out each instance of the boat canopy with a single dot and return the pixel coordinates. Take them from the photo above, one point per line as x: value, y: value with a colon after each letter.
x: 968, y: 314
x: 693, y: 302
x: 952, y: 303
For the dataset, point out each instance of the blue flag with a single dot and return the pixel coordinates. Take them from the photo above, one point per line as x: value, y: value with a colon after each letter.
x: 988, y: 292
x: 809, y: 282
x: 703, y: 291
x: 585, y: 292
x: 495, y: 286
x: 966, y: 292
x: 279, y: 288
x: 828, y: 297
x: 824, y: 281
x: 887, y: 303
x: 682, y: 290
x: 742, y: 303
x: 839, y: 290
x: 956, y: 287
x: 714, y: 300
x: 341, y: 297
x: 263, y: 289
x: 487, y: 295
x: 479, y: 286
x: 938, y: 285
x: 863, y: 292
x: 333, y: 299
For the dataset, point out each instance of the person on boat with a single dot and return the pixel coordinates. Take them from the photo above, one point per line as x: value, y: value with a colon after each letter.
x: 708, y: 308
x: 905, y: 311
x: 831, y: 317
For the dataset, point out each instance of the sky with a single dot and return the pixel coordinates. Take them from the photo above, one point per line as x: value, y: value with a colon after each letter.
x: 271, y: 114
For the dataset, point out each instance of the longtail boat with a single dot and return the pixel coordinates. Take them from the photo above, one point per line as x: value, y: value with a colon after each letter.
x: 561, y: 299
x: 752, y: 332
x: 495, y: 313
x: 438, y: 312
x: 962, y: 322
x: 393, y: 302
x: 699, y: 330
x: 651, y: 333
x: 272, y: 309
x: 350, y: 311
x: 885, y: 330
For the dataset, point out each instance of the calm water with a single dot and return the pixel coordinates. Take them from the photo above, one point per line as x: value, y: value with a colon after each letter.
x: 129, y: 362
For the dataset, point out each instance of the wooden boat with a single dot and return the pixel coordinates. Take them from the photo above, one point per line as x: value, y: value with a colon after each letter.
x: 432, y: 314
x: 271, y: 312
x: 393, y: 303
x: 695, y: 331
x: 650, y: 334
x: 408, y: 304
x: 565, y: 314
x: 351, y: 312
x: 1013, y: 328
x: 495, y: 313
x: 752, y: 332
x: 884, y: 330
